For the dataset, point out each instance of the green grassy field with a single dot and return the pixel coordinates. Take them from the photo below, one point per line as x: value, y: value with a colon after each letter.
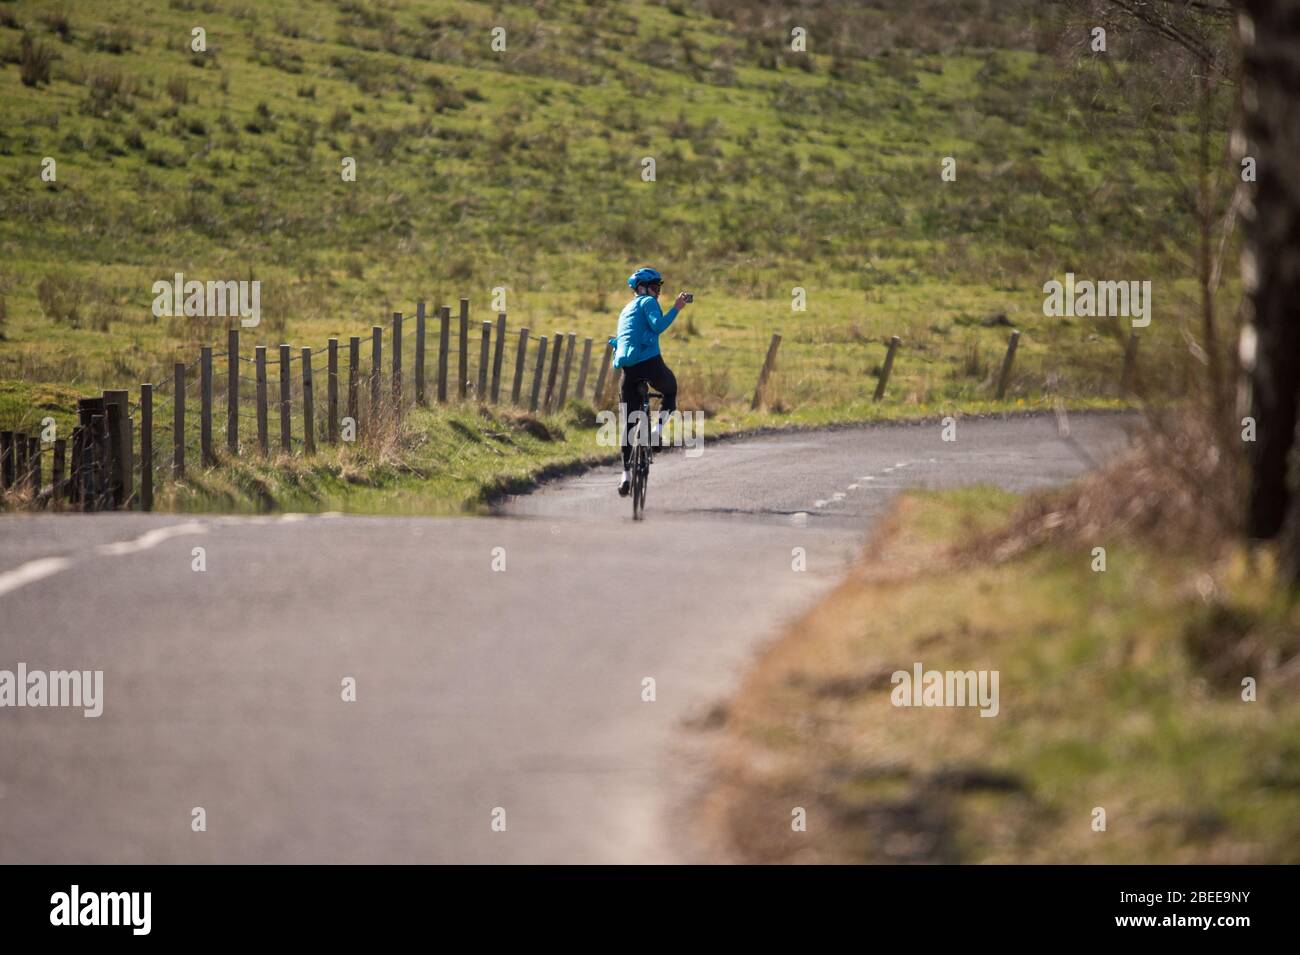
x: 1120, y: 690
x: 521, y: 170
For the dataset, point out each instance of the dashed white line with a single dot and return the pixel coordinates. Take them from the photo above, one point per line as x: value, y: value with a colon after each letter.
x: 43, y: 567
x: 151, y: 539
x: 31, y: 572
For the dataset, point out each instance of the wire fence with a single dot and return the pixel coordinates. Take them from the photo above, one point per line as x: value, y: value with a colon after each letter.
x: 276, y: 399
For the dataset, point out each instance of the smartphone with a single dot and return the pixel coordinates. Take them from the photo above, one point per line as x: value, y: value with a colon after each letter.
x: 690, y: 296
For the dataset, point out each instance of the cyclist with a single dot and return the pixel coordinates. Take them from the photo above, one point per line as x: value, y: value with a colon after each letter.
x: 636, y: 353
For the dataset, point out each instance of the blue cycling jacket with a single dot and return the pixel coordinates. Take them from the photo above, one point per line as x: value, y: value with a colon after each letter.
x: 639, y: 326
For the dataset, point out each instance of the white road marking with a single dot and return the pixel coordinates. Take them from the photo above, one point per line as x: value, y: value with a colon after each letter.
x: 151, y: 539
x: 35, y: 570
x: 853, y: 487
x: 31, y: 572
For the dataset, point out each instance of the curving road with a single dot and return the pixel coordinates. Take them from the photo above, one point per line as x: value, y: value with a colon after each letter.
x: 476, y: 689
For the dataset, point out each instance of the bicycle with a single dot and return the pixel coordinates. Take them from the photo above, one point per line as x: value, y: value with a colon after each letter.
x: 642, y: 454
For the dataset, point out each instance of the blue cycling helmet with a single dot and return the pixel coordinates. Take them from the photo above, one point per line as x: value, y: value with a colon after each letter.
x: 643, y: 277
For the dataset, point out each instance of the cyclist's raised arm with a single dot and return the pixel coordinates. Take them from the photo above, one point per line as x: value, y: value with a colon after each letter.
x: 657, y: 319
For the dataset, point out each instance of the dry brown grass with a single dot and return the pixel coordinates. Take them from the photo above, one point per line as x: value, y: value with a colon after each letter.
x: 1175, y: 488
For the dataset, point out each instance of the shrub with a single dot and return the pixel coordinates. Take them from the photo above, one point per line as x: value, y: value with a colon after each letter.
x: 60, y: 299
x: 56, y: 21
x: 339, y: 119
x: 35, y: 59
x: 178, y: 88
x: 116, y: 40
x: 108, y: 88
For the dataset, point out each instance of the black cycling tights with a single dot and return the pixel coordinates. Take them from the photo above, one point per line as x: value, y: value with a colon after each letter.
x: 661, y: 379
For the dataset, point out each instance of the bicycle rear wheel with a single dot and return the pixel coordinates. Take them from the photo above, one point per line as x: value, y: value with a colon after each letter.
x: 645, y: 477
x: 638, y: 483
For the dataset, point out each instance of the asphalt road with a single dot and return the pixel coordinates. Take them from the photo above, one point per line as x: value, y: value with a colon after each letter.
x: 477, y: 689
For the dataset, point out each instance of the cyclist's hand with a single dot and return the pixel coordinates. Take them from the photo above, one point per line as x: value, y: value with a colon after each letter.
x: 682, y: 301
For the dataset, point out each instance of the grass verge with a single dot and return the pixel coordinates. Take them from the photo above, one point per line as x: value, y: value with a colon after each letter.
x: 1119, y: 690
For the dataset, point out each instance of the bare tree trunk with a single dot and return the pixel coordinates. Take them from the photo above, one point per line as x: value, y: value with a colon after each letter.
x: 1270, y: 40
x: 1205, y: 267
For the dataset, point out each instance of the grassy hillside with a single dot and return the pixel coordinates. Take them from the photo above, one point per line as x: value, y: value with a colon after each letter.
x: 522, y: 169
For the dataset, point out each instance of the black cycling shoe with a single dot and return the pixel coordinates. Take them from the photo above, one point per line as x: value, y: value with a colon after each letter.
x: 624, y: 487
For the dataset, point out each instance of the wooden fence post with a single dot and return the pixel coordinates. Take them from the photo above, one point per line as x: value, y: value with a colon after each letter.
x: 481, y: 392
x: 117, y: 405
x: 86, y: 473
x: 598, y: 396
x: 208, y: 456
x: 568, y: 368
x: 58, y: 486
x: 34, y: 463
x: 286, y: 427
x: 498, y: 353
x: 89, y: 463
x: 1005, y: 376
x: 85, y: 414
x: 74, y: 478
x: 308, y: 415
x: 463, y: 357
x: 146, y: 448
x: 888, y: 367
x: 332, y: 391
x: 768, y: 364
x: 376, y: 369
x: 232, y: 391
x: 557, y: 347
x: 263, y: 432
x: 20, y: 460
x: 444, y: 333
x: 397, y: 363
x: 6, y: 460
x: 538, y: 372
x: 178, y: 422
x: 419, y: 353
x: 354, y: 372
x: 582, y: 373
x: 103, y: 460
x: 124, y: 449
x: 521, y: 357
